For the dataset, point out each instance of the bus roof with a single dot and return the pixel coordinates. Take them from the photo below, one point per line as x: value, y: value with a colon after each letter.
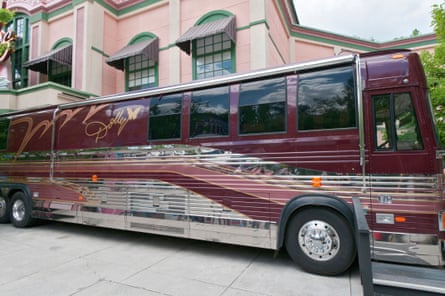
x: 218, y: 81
x: 211, y: 82
x: 204, y: 83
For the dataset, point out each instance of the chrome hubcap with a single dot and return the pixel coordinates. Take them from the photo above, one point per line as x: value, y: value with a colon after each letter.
x: 18, y: 210
x: 2, y: 207
x: 319, y: 240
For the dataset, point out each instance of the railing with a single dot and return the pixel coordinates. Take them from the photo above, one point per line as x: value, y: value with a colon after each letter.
x: 363, y: 248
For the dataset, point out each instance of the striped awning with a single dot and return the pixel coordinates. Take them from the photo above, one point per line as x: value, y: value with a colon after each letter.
x: 63, y: 55
x: 149, y: 49
x: 225, y: 25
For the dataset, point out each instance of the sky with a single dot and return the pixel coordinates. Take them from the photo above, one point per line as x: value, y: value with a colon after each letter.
x: 377, y: 20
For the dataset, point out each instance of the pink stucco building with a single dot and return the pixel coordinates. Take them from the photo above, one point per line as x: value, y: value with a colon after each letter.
x: 73, y: 50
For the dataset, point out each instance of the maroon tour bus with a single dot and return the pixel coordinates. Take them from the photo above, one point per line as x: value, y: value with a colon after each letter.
x: 270, y: 158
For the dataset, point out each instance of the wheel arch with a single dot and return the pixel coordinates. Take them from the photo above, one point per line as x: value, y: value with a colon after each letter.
x: 312, y: 201
x: 8, y: 189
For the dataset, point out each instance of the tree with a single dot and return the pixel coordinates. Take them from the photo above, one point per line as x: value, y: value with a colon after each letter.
x: 415, y: 33
x: 434, y: 65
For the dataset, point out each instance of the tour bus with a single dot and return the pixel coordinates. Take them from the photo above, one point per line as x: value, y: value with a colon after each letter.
x: 270, y: 158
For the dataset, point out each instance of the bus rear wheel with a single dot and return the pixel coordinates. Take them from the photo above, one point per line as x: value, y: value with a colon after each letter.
x: 320, y: 241
x: 21, y: 210
x: 5, y: 208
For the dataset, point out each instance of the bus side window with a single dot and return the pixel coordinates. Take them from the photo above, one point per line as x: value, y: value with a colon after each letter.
x: 262, y: 106
x: 209, y: 113
x: 407, y: 127
x: 395, y: 123
x: 326, y: 99
x: 4, y: 128
x: 165, y: 117
x: 384, y: 138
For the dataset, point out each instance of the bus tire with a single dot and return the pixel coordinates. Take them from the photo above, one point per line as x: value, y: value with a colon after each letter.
x: 21, y: 210
x: 320, y: 241
x: 5, y: 209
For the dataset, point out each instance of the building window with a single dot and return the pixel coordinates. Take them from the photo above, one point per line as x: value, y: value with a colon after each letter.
x: 211, y: 41
x: 20, y: 25
x: 60, y: 65
x: 56, y: 64
x: 139, y: 61
x: 141, y: 73
x: 213, y: 56
x: 60, y: 73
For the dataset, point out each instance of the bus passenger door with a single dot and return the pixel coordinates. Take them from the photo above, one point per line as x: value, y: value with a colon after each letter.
x: 399, y: 162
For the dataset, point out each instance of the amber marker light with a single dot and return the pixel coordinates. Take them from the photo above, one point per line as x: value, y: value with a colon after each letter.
x: 81, y: 198
x: 400, y: 219
x: 397, y: 56
x: 94, y: 178
x: 316, y: 182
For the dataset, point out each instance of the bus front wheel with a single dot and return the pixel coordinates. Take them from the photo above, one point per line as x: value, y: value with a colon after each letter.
x: 320, y: 241
x: 21, y: 210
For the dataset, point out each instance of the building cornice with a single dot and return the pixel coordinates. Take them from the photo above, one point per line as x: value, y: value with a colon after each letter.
x: 311, y: 34
x: 44, y: 10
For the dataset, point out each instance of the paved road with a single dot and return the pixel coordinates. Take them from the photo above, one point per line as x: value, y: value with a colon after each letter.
x: 65, y: 259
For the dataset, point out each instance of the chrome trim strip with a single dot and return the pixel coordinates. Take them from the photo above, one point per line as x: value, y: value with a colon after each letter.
x: 53, y: 143
x: 409, y: 286
x: 247, y: 232
x: 361, y: 124
x: 409, y: 248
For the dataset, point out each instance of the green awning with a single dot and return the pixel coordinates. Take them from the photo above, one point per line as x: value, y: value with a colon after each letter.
x: 149, y: 49
x: 225, y: 25
x: 63, y: 55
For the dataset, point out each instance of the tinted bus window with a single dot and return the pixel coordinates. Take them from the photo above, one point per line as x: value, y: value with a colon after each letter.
x: 262, y: 106
x: 395, y: 123
x: 165, y: 117
x: 209, y: 112
x: 326, y: 99
x: 4, y: 127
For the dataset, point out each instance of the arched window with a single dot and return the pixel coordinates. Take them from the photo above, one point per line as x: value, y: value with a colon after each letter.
x: 141, y: 72
x: 60, y: 71
x: 212, y: 45
x: 139, y: 60
x: 57, y: 63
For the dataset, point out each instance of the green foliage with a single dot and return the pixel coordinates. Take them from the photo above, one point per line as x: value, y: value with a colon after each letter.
x: 3, y: 48
x: 434, y: 65
x: 6, y: 15
x: 438, y: 21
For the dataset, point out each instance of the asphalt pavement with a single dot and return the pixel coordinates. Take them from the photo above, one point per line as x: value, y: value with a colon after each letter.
x: 67, y: 259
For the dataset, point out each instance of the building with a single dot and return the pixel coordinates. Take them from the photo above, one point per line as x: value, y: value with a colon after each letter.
x: 74, y: 50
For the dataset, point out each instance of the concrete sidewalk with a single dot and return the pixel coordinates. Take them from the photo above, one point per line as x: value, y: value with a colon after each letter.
x: 65, y: 259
